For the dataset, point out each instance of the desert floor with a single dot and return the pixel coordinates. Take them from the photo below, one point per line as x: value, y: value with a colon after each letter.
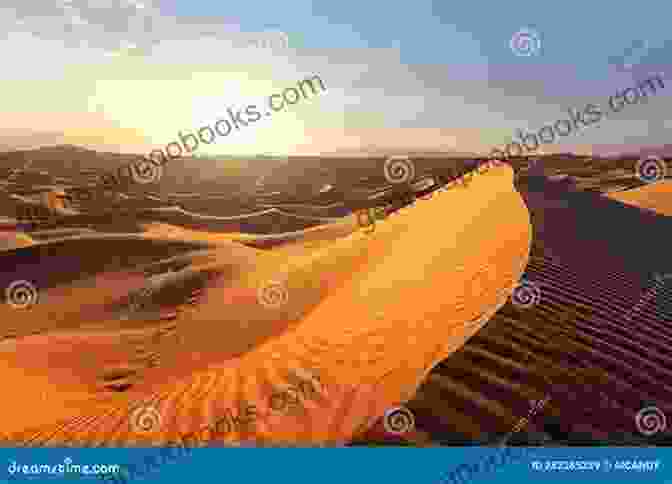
x: 417, y: 313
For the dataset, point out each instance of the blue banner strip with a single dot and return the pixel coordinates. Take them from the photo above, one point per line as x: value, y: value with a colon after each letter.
x: 445, y: 465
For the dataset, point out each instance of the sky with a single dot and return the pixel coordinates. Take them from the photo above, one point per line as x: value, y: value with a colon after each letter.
x: 128, y: 76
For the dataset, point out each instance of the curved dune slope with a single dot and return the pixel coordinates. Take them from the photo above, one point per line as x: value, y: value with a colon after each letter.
x: 597, y: 342
x: 310, y: 237
x: 654, y: 197
x: 364, y: 320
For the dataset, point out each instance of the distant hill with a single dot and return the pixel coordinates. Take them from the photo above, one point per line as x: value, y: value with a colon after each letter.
x: 608, y: 151
x: 234, y: 174
x: 377, y: 151
x: 664, y: 151
x: 9, y: 141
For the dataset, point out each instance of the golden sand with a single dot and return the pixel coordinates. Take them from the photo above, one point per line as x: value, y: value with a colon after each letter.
x: 368, y: 315
x: 655, y: 196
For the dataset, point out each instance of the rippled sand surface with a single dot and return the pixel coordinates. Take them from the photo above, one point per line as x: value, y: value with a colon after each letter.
x: 361, y: 316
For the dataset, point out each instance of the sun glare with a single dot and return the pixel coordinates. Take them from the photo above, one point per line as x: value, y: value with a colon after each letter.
x: 161, y: 110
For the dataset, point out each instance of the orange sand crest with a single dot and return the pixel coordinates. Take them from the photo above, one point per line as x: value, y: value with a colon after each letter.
x: 653, y: 197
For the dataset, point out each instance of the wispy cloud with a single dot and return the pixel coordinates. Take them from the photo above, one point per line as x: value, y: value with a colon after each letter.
x: 117, y: 26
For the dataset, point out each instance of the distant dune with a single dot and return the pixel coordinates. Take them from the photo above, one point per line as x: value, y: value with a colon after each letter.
x: 656, y: 197
x: 292, y: 241
x: 166, y: 311
x: 372, y: 313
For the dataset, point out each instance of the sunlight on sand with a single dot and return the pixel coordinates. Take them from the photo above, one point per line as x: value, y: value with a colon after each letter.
x: 366, y: 315
x: 656, y: 197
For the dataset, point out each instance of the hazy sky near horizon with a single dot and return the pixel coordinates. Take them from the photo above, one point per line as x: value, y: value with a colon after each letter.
x: 128, y: 75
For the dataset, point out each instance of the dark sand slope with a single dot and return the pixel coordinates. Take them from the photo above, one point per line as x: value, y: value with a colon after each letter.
x: 599, y: 343
x: 371, y: 312
x: 51, y: 262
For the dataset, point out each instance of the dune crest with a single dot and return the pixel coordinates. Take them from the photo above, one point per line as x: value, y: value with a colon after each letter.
x: 656, y: 197
x: 374, y: 313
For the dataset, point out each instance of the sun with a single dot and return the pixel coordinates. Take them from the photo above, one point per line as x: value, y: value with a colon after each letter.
x: 164, y: 109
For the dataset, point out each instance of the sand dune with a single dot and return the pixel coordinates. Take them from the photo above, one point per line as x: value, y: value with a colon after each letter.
x: 597, y: 343
x: 655, y: 196
x: 310, y: 237
x: 365, y: 318
x: 597, y: 340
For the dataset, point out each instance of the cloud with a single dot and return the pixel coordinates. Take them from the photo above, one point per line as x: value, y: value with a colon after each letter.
x: 113, y: 24
x: 126, y: 59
